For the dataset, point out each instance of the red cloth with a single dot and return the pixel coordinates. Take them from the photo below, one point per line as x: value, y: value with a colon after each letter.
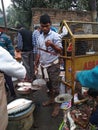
x: 69, y: 48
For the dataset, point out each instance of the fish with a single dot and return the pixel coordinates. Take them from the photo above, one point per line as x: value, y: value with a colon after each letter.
x: 18, y: 105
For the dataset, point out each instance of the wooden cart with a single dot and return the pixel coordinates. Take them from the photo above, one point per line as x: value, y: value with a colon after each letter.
x: 83, y: 55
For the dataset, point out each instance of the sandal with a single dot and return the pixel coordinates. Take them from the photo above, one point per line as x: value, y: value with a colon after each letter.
x: 56, y: 110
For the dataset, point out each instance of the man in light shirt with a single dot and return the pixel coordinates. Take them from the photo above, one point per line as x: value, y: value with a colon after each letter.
x: 49, y: 49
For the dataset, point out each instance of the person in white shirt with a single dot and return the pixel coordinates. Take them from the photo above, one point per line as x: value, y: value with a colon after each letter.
x: 11, y: 67
x: 64, y: 30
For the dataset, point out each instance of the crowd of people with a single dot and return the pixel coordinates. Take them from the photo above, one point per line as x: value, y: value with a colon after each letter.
x: 40, y: 47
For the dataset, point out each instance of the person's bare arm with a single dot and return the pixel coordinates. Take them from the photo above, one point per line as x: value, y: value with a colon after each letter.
x: 55, y: 47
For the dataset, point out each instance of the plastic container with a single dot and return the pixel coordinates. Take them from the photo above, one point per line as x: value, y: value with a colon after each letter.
x: 22, y: 120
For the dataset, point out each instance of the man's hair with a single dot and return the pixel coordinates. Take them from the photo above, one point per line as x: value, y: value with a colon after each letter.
x: 18, y: 26
x: 44, y: 19
x: 36, y: 27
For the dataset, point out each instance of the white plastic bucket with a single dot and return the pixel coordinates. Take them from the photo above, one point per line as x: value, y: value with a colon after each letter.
x: 22, y: 120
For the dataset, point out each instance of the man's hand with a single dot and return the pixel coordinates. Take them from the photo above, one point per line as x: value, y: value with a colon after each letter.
x: 48, y: 43
x: 75, y: 75
x: 35, y: 69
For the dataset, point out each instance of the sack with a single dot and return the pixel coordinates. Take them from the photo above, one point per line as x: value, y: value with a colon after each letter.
x: 3, y: 104
x: 39, y: 82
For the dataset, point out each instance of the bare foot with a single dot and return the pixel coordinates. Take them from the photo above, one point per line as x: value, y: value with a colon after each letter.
x: 56, y: 110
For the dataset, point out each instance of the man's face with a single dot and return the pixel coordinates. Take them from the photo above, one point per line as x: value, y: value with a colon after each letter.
x: 45, y: 28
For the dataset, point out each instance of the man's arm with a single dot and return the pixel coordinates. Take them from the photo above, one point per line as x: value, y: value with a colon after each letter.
x: 56, y: 44
x: 55, y: 47
x: 37, y: 61
x: 10, y: 66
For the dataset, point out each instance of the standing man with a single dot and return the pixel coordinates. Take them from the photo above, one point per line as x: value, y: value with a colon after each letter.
x: 24, y: 44
x: 49, y: 48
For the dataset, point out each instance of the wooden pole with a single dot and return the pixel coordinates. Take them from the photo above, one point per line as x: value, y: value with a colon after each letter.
x: 93, y: 10
x: 5, y: 23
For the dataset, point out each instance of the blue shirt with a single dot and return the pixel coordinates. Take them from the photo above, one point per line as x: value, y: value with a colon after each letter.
x: 6, y: 43
x: 88, y: 78
x: 19, y: 41
x: 35, y: 36
x: 53, y: 29
x: 47, y: 58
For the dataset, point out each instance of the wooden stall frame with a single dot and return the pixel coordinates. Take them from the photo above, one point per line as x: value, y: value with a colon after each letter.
x: 75, y: 63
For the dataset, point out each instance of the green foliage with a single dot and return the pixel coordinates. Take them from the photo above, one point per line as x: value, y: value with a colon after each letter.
x: 21, y: 10
x: 83, y: 5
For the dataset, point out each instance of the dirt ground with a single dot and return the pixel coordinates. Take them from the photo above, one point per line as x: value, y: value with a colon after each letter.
x: 42, y: 115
